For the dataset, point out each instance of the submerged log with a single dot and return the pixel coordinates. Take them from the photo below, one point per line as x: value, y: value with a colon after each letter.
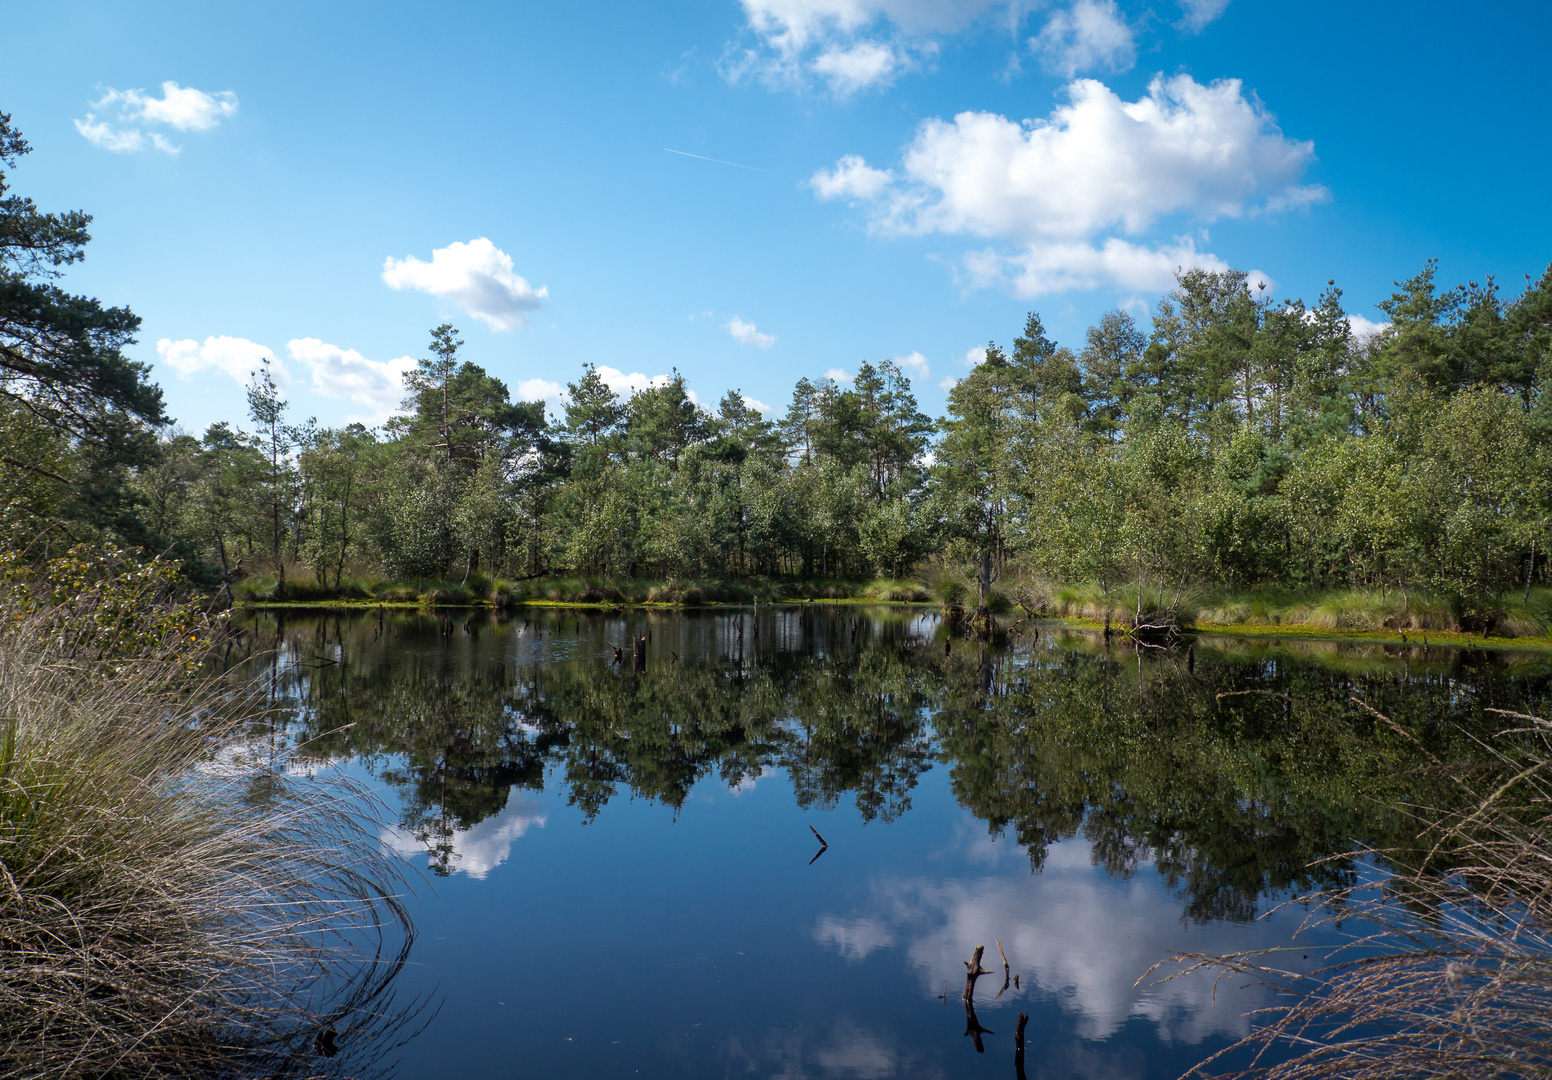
x: 973, y: 1027
x: 973, y: 971
x: 1153, y: 626
x: 1018, y: 1046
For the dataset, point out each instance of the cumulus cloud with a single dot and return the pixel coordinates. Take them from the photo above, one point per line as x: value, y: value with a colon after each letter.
x: 1043, y: 269
x: 745, y: 333
x: 851, y: 45
x: 236, y: 357
x: 476, y: 276
x: 1365, y: 328
x: 1096, y: 165
x: 132, y: 112
x: 553, y: 394
x: 852, y: 179
x: 1100, y: 162
x: 334, y: 372
x: 623, y: 383
x: 626, y: 383
x: 758, y: 406
x: 840, y: 375
x: 859, y: 66
x: 1089, y: 36
x: 1196, y: 14
x: 377, y: 386
x: 914, y: 364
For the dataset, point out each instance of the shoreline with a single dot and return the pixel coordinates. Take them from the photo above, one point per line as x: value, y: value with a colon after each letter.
x: 1452, y: 639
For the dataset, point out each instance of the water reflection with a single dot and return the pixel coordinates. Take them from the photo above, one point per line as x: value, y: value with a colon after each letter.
x: 1093, y: 809
x: 1082, y: 939
x: 1230, y: 780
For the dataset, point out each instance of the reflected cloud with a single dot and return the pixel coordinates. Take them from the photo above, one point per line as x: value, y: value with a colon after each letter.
x: 853, y: 938
x: 748, y: 782
x: 479, y: 850
x: 1073, y: 932
x: 847, y: 1052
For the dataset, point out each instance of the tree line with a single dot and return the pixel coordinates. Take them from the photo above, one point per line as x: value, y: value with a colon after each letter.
x: 1229, y: 437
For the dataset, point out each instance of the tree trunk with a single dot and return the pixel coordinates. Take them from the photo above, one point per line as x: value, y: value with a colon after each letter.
x: 1530, y: 574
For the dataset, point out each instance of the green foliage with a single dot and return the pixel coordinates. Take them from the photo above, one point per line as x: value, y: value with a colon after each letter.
x: 100, y: 609
x: 1239, y: 441
x: 76, y: 415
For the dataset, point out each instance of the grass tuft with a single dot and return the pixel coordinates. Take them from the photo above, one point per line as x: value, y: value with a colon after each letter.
x: 165, y: 911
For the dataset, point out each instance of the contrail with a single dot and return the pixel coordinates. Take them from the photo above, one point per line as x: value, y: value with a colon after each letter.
x: 715, y: 161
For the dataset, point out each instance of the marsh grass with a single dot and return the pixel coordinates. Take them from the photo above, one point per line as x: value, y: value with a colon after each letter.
x: 163, y: 912
x: 1454, y: 976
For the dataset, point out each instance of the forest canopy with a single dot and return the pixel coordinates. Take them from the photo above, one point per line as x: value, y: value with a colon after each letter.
x: 1230, y: 437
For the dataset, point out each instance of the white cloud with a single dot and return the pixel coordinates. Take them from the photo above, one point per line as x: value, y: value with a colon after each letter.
x: 859, y: 66
x: 552, y: 393
x: 544, y: 390
x: 914, y: 364
x: 477, y: 276
x: 377, y: 386
x: 1096, y: 165
x: 974, y: 357
x: 852, y: 44
x: 1198, y: 13
x: 1365, y: 328
x: 852, y: 179
x: 1046, y: 268
x: 118, y: 140
x: 1099, y: 162
x: 334, y: 372
x: 948, y: 382
x: 1089, y: 36
x: 479, y: 850
x: 758, y: 406
x: 840, y: 375
x: 182, y: 108
x: 236, y: 357
x: 745, y: 333
x: 623, y: 383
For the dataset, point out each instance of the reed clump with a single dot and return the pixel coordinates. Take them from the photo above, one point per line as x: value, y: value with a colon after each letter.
x: 163, y: 912
x: 1452, y: 976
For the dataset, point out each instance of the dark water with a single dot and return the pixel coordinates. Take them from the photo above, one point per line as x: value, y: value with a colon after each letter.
x: 621, y: 872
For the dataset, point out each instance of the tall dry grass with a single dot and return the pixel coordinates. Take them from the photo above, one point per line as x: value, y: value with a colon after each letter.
x: 161, y: 913
x: 1453, y: 977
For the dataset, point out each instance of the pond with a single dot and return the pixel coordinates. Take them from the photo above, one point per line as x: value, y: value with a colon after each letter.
x: 771, y: 852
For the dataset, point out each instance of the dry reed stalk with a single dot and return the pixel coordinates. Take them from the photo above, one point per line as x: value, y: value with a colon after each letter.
x: 1455, y: 977
x: 164, y: 916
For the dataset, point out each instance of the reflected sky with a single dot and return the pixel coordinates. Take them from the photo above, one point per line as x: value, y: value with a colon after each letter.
x: 619, y: 868
x: 702, y: 943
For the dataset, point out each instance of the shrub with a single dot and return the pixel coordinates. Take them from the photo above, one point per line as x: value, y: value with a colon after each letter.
x: 164, y: 912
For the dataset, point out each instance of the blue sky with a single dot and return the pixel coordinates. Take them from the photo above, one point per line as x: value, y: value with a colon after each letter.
x: 326, y: 182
